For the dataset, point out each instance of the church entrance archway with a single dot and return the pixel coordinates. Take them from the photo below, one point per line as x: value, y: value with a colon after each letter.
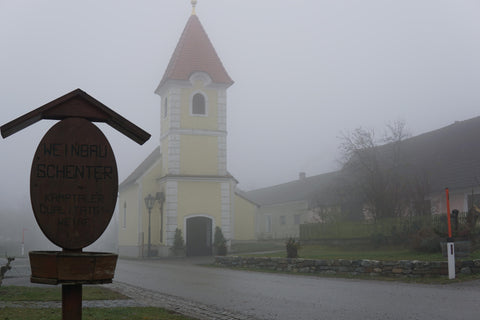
x: 199, y: 236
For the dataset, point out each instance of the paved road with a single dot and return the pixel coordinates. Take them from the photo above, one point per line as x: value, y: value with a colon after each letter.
x: 19, y: 275
x: 287, y: 297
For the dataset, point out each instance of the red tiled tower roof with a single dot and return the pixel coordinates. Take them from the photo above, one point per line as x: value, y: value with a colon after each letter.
x: 195, y: 53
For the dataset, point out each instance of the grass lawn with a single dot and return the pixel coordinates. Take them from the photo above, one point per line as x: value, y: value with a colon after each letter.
x: 92, y: 314
x: 18, y: 293
x: 257, y: 246
x: 357, y: 252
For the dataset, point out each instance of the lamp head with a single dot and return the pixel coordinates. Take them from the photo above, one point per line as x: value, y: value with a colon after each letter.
x: 149, y: 201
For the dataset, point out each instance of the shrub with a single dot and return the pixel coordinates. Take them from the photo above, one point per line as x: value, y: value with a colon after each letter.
x: 178, y: 243
x: 292, y: 247
x: 219, y: 242
x: 426, y: 240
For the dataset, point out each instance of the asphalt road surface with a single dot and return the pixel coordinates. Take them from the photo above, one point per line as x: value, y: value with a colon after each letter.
x: 286, y: 297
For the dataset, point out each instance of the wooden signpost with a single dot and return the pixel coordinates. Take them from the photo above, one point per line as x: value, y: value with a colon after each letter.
x: 73, y: 190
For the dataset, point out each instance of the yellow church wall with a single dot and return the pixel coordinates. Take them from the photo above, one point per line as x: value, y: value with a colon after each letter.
x: 198, y: 198
x: 244, y: 219
x: 198, y: 155
x: 128, y: 216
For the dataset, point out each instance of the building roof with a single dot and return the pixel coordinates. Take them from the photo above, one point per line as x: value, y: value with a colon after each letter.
x: 142, y: 168
x: 242, y: 194
x: 450, y: 156
x: 195, y: 53
x: 303, y: 189
x: 446, y: 157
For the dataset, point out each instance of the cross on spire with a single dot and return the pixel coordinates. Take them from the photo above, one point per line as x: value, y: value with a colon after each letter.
x: 194, y: 4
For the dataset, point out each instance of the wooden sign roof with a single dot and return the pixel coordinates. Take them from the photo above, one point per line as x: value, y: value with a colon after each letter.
x: 77, y: 104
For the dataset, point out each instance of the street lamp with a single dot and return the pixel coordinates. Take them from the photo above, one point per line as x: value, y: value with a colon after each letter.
x: 160, y: 197
x: 149, y: 202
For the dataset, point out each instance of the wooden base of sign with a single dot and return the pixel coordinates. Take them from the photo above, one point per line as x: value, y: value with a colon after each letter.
x: 72, y: 269
x: 60, y: 267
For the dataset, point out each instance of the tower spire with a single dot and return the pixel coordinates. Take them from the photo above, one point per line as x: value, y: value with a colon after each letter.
x: 194, y: 4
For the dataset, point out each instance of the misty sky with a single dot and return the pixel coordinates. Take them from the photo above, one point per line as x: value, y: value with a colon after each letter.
x: 304, y: 71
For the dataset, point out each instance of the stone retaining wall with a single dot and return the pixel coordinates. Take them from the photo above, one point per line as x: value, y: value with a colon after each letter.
x: 403, y: 268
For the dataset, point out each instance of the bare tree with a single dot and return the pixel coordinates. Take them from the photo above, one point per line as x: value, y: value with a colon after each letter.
x: 376, y: 169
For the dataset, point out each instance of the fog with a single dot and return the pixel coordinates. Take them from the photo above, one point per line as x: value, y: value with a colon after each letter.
x: 304, y: 71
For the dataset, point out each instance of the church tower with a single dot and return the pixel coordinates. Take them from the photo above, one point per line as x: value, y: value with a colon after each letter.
x: 197, y: 188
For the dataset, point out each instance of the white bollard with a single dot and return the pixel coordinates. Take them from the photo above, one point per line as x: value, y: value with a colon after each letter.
x: 451, y: 260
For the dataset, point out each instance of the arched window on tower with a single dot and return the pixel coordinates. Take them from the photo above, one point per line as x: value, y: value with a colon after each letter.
x: 198, y: 104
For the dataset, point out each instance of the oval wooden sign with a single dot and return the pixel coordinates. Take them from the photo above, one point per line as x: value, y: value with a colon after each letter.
x: 73, y: 183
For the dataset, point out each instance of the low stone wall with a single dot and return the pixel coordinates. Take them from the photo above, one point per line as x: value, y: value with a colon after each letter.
x: 404, y: 268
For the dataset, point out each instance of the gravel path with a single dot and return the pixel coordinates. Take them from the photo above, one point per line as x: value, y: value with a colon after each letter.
x: 177, y: 304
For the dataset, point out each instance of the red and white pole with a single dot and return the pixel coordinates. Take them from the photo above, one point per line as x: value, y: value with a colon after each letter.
x: 450, y: 242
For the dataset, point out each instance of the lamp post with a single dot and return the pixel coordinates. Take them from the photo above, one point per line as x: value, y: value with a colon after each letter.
x: 160, y: 197
x: 149, y: 202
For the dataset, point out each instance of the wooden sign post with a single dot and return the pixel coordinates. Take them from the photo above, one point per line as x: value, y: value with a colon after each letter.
x: 73, y: 190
